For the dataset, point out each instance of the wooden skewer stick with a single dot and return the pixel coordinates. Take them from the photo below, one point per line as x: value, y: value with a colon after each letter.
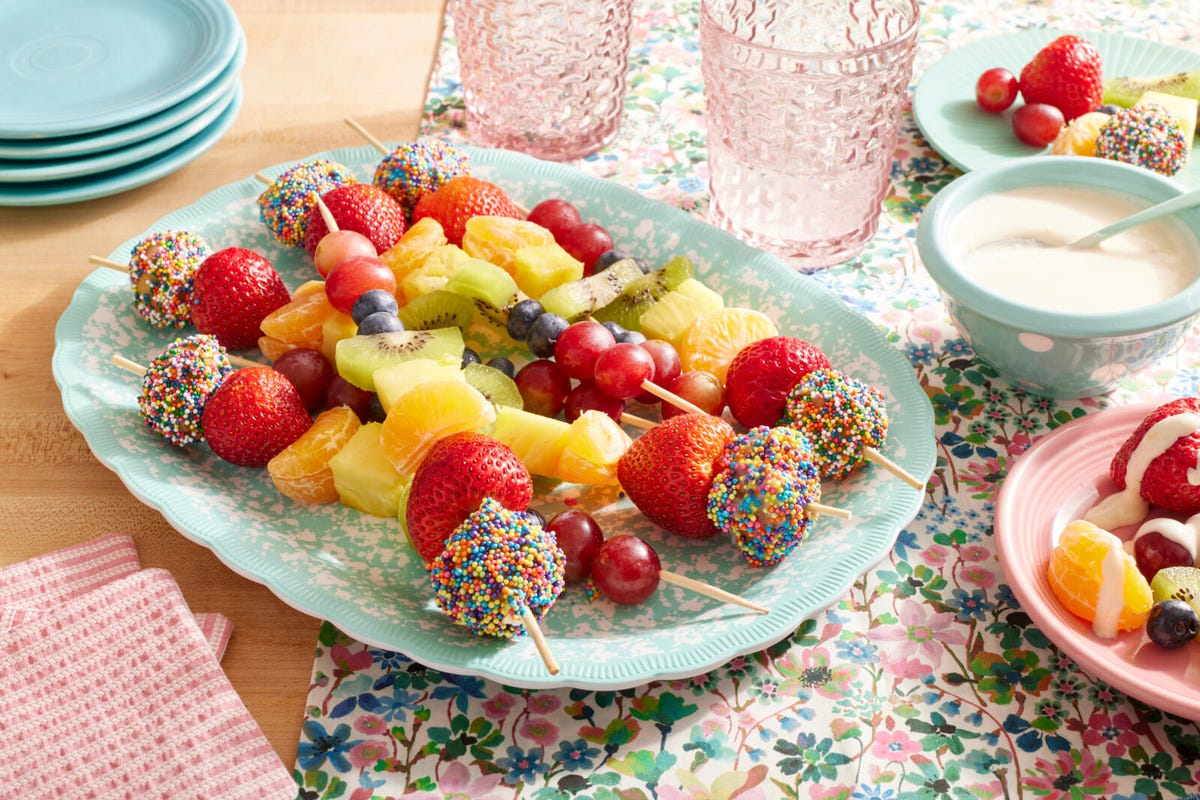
x: 327, y: 215
x: 708, y: 590
x: 263, y: 178
x: 127, y: 365
x: 366, y: 134
x: 239, y: 361
x: 878, y: 458
x: 637, y: 422
x: 539, y: 639
x: 108, y: 262
x: 828, y: 511
x: 672, y: 398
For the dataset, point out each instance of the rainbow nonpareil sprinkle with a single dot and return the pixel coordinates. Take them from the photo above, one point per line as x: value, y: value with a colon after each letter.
x: 494, y: 563
x: 162, y: 267
x: 285, y: 205
x: 177, y: 384
x: 413, y: 170
x: 840, y: 416
x: 762, y: 485
x: 1145, y: 136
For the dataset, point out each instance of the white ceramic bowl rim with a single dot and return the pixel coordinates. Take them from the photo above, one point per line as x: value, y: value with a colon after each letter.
x: 936, y: 225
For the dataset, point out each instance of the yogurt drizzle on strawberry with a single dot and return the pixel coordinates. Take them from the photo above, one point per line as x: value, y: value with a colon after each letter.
x: 1127, y: 506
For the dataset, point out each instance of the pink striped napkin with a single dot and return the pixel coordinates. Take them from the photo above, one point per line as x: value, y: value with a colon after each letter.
x: 114, y: 693
x: 32, y: 586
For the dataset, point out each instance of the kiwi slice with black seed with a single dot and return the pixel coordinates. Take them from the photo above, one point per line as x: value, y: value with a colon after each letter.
x: 627, y: 308
x: 493, y: 384
x: 1177, y: 583
x: 438, y: 309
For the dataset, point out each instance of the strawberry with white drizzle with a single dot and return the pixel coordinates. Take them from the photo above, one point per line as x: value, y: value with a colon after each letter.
x: 1159, y: 465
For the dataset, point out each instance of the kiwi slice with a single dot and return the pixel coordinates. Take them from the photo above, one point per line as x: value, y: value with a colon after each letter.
x: 481, y: 280
x: 1177, y: 583
x: 1127, y: 90
x: 493, y: 384
x: 575, y: 299
x: 438, y: 309
x: 627, y: 308
x: 358, y: 357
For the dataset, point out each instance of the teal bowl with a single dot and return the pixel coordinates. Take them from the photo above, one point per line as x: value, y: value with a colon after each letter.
x: 1055, y: 353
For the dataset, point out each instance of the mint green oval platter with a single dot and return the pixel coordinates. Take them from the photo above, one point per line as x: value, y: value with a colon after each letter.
x: 358, y: 571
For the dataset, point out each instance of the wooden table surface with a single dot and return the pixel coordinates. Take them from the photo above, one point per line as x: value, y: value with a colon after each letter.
x: 310, y: 64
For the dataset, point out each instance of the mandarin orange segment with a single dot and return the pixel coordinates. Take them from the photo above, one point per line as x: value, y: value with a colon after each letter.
x: 337, y: 326
x: 273, y: 348
x: 715, y: 337
x: 308, y: 287
x: 497, y: 239
x: 416, y: 243
x: 428, y: 412
x: 300, y: 320
x: 301, y: 471
x: 1075, y: 574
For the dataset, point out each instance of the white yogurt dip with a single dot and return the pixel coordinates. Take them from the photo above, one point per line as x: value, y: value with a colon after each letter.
x: 1141, y: 266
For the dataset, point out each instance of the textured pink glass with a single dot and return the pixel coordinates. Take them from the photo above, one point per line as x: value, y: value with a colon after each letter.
x: 803, y: 100
x: 545, y: 77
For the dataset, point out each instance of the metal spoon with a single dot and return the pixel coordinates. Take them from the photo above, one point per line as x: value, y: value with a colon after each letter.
x: 1157, y: 211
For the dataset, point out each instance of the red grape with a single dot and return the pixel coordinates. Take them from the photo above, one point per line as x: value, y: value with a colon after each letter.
x: 996, y: 89
x: 555, y: 215
x: 621, y: 369
x: 337, y: 246
x: 1153, y: 552
x: 586, y: 241
x: 577, y: 348
x: 588, y: 397
x: 626, y: 569
x: 700, y: 388
x: 666, y: 365
x: 1037, y: 124
x: 341, y: 392
x: 579, y: 537
x: 543, y: 387
x: 309, y: 371
x: 355, y: 275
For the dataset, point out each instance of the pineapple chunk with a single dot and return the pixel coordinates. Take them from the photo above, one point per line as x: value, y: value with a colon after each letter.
x: 538, y: 441
x: 363, y: 476
x: 539, y: 268
x: 433, y: 272
x: 395, y: 380
x: 1183, y: 109
x: 671, y: 316
x: 593, y: 448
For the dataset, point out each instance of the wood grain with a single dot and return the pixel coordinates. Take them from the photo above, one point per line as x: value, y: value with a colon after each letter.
x: 310, y: 63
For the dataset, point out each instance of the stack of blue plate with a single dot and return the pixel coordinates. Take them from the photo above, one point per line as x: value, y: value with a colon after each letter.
x: 100, y: 96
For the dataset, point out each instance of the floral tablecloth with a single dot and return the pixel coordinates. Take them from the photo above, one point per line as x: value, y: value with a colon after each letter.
x: 926, y: 681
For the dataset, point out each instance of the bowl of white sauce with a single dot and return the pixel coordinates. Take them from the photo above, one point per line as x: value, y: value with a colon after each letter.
x: 1059, y: 321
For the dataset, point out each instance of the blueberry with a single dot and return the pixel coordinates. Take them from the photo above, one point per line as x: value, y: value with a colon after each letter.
x: 543, y: 333
x: 610, y: 257
x: 380, y: 322
x: 615, y: 329
x: 371, y: 301
x: 503, y: 364
x: 535, y: 516
x: 521, y: 316
x: 469, y: 356
x: 1172, y: 623
x: 636, y: 337
x: 1109, y: 108
x: 375, y: 409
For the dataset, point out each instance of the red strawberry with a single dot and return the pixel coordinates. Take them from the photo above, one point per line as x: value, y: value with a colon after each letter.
x: 453, y: 479
x: 232, y: 293
x: 668, y: 470
x: 459, y: 199
x: 360, y: 207
x: 252, y: 416
x: 1066, y: 74
x: 761, y: 375
x: 1165, y: 483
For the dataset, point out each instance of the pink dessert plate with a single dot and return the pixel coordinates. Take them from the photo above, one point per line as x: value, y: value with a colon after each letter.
x: 1056, y: 481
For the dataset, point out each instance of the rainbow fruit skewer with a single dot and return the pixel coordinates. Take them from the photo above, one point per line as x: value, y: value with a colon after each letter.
x: 161, y: 267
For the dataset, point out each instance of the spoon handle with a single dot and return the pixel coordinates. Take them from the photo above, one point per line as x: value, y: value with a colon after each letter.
x: 1156, y: 211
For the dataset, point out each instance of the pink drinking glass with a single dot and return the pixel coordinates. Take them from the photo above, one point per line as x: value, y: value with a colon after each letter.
x: 545, y: 77
x: 803, y: 101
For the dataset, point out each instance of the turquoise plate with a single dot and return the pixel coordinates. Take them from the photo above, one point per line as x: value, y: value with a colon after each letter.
x: 73, y: 66
x: 122, y: 179
x: 125, y: 135
x: 358, y: 571
x: 969, y: 137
